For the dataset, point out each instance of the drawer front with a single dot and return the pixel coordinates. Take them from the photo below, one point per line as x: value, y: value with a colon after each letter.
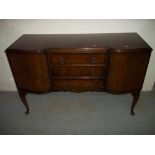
x: 78, y: 71
x: 77, y: 58
x: 78, y: 85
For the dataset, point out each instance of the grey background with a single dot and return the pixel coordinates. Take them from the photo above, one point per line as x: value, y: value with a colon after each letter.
x: 77, y: 113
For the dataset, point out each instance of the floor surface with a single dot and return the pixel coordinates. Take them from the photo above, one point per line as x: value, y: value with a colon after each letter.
x: 94, y: 113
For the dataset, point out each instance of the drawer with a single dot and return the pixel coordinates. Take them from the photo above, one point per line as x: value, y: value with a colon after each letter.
x: 78, y: 71
x: 77, y: 58
x: 78, y: 85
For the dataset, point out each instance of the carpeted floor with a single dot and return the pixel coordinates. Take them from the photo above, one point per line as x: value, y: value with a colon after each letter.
x: 77, y: 113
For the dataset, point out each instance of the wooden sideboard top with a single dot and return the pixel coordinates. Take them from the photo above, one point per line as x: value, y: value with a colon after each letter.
x: 99, y: 40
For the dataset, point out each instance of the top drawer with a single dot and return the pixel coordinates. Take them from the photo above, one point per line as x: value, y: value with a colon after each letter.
x: 77, y: 57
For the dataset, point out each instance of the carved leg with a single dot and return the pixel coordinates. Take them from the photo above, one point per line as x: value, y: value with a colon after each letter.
x: 22, y: 95
x: 135, y: 99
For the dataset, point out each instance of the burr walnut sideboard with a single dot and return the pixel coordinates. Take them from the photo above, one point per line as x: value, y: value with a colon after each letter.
x: 110, y: 62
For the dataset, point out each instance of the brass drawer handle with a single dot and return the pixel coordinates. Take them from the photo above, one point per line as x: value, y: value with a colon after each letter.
x: 62, y: 60
x: 93, y: 60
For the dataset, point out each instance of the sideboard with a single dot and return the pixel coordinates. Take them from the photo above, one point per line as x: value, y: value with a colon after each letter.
x: 111, y: 62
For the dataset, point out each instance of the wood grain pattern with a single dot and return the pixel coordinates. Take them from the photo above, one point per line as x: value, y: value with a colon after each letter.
x: 126, y: 71
x: 76, y: 58
x: 78, y: 71
x: 78, y: 85
x: 98, y: 40
x: 115, y: 63
x: 30, y: 71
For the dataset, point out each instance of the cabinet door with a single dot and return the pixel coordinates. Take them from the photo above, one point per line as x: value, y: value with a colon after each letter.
x: 126, y: 70
x: 30, y: 70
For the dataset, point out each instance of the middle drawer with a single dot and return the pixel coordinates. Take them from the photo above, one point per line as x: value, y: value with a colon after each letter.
x: 78, y: 71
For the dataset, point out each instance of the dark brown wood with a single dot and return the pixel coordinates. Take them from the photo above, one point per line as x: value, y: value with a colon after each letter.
x: 135, y: 99
x: 30, y: 70
x: 114, y: 63
x: 78, y: 71
x: 126, y: 71
x: 77, y: 65
x: 77, y: 50
x: 78, y: 85
x: 78, y: 77
x: 22, y: 95
x: 76, y: 58
x: 106, y: 40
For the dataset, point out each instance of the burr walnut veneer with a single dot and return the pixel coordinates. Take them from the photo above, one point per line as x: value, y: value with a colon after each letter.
x: 114, y: 63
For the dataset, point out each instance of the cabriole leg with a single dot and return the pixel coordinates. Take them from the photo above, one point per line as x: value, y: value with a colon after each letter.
x: 135, y: 99
x: 22, y: 95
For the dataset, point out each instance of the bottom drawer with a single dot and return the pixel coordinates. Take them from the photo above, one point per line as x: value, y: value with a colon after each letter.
x: 78, y: 85
x: 79, y: 71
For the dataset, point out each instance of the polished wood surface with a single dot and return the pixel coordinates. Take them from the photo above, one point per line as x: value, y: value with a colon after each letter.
x: 78, y: 71
x: 110, y: 40
x: 78, y: 85
x: 126, y: 72
x: 76, y: 58
x: 114, y: 63
x: 30, y: 70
